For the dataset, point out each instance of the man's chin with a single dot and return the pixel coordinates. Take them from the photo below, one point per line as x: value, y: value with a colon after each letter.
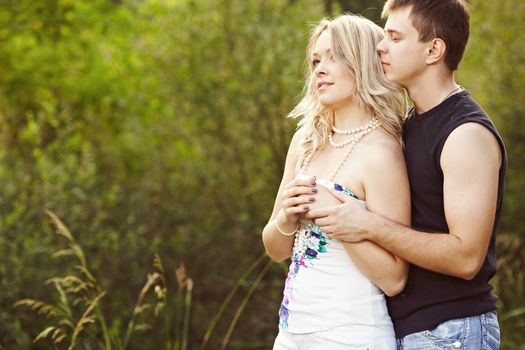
x: 391, y: 77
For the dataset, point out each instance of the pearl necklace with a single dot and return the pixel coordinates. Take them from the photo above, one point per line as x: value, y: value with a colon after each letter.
x: 354, y: 130
x: 356, y: 133
x: 372, y: 126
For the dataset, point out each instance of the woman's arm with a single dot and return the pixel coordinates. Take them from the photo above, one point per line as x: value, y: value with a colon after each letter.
x: 388, y: 194
x: 292, y: 201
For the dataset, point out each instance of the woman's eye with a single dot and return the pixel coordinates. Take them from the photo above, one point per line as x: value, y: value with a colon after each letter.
x: 315, y: 62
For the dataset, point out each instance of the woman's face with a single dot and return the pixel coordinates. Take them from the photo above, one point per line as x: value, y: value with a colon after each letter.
x: 333, y: 83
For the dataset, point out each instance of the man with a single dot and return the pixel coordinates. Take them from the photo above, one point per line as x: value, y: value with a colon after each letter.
x: 456, y: 163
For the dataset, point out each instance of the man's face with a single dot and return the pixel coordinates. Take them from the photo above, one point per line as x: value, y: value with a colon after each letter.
x: 403, y: 57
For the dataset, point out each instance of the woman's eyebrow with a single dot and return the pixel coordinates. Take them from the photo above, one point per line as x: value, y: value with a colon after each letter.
x: 327, y: 51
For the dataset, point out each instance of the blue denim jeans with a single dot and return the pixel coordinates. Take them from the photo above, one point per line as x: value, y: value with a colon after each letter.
x: 469, y: 333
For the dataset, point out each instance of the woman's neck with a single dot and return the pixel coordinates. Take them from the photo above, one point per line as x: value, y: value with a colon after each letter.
x: 351, y: 116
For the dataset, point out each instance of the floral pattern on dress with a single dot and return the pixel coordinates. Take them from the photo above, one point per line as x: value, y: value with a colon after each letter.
x: 345, y: 190
x: 309, y: 243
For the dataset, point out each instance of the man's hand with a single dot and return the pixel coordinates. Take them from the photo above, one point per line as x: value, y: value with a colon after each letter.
x: 345, y: 221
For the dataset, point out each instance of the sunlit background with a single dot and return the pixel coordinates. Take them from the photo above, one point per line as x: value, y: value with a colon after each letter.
x: 141, y: 146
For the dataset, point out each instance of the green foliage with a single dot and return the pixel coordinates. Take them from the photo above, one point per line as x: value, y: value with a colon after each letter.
x: 157, y: 126
x: 78, y: 318
x: 77, y: 315
x: 493, y: 69
x: 152, y: 126
x: 509, y: 286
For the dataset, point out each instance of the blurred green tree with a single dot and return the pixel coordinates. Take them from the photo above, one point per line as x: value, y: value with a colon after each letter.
x: 157, y: 126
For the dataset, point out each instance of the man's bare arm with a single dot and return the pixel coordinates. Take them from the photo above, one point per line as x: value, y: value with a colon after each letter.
x: 470, y: 161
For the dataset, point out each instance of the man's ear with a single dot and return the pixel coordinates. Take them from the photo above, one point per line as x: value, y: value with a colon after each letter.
x: 435, y: 50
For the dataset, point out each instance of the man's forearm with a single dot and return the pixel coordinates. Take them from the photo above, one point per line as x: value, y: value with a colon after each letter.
x: 438, y: 252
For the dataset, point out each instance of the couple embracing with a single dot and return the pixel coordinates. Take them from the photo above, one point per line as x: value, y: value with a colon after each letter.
x: 388, y: 215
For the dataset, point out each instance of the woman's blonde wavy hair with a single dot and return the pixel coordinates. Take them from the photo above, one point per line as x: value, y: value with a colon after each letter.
x: 354, y: 41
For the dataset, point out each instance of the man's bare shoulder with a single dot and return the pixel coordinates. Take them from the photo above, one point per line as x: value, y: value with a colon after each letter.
x: 472, y: 132
x: 471, y: 141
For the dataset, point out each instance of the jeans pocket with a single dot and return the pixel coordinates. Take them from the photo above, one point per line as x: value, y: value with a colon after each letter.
x: 491, y: 333
x: 449, y: 332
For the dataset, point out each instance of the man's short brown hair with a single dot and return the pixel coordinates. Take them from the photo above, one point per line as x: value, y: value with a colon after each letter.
x: 448, y: 20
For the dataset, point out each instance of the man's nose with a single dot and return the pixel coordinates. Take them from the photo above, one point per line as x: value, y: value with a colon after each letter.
x: 381, y: 47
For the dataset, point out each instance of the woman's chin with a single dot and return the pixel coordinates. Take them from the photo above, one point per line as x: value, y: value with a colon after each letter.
x: 326, y: 103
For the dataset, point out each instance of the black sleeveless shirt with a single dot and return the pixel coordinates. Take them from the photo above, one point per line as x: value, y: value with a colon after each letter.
x: 431, y: 298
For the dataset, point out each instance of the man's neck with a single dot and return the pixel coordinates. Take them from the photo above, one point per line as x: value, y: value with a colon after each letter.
x: 430, y: 91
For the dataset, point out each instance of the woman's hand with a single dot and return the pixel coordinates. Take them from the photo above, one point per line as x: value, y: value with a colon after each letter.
x: 297, y: 197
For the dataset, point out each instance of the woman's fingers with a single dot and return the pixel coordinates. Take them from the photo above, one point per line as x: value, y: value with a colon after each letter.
x: 298, y: 196
x: 295, y: 210
x: 319, y: 213
x: 304, y: 181
x: 293, y: 213
x: 298, y: 201
x: 299, y: 191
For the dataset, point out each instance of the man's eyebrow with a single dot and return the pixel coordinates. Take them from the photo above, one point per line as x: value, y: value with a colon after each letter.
x: 391, y: 31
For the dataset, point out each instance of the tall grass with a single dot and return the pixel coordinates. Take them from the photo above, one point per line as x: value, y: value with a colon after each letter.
x: 77, y: 318
x: 78, y: 315
x: 78, y: 300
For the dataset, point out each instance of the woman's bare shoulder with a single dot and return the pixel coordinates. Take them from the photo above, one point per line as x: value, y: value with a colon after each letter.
x: 383, y: 151
x: 296, y: 142
x: 298, y: 136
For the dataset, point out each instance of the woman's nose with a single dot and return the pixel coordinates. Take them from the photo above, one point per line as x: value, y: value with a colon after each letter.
x: 320, y: 69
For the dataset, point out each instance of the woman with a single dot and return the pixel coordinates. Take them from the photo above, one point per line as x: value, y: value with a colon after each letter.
x: 348, y: 140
